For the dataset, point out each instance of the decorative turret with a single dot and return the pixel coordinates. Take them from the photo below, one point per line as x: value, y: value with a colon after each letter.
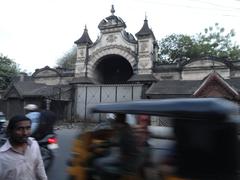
x: 145, y: 31
x: 111, y: 23
x: 82, y: 55
x: 84, y: 39
x: 146, y: 49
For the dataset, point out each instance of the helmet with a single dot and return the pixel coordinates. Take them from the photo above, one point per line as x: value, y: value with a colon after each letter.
x: 31, y: 107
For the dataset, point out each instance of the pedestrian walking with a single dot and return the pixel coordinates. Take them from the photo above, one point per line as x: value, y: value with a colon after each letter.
x: 20, y: 157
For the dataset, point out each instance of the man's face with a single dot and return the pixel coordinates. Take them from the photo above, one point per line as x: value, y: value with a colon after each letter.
x: 21, y: 132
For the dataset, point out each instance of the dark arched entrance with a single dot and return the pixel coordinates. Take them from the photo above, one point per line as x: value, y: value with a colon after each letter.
x: 113, y: 69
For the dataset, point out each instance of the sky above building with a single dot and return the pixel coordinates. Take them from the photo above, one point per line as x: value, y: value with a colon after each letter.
x: 36, y: 33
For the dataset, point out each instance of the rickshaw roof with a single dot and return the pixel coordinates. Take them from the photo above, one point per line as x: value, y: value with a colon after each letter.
x: 181, y: 108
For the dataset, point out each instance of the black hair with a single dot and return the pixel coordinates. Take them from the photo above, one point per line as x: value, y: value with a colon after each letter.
x: 14, y: 120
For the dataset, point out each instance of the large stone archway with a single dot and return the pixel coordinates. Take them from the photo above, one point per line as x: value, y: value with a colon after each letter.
x: 112, y: 69
x: 106, y: 68
x: 122, y: 54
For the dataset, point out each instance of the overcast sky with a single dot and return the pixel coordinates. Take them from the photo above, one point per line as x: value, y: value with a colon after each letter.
x: 35, y: 33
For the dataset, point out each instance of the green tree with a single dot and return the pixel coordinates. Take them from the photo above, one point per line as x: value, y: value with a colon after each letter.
x: 176, y: 46
x: 8, y: 69
x: 212, y: 42
x: 69, y: 59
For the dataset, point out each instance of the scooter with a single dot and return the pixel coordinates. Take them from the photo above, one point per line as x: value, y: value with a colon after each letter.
x: 47, y: 145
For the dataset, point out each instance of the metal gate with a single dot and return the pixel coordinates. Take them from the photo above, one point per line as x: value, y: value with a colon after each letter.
x: 90, y: 95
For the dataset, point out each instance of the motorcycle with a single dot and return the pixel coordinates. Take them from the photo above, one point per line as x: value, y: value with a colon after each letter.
x: 47, y: 139
x: 47, y: 146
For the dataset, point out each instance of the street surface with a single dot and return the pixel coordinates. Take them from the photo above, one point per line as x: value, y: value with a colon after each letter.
x: 65, y: 139
x: 62, y: 154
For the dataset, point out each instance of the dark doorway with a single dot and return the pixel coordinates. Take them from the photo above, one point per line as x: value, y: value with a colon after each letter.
x: 113, y: 69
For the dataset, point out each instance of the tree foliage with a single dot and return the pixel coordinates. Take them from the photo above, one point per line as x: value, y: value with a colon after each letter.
x: 69, y: 59
x: 212, y: 42
x: 8, y: 69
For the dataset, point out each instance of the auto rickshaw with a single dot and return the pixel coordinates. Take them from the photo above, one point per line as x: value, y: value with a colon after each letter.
x: 205, y: 138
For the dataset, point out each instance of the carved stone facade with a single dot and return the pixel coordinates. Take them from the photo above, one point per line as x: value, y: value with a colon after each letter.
x: 114, y: 41
x: 121, y: 67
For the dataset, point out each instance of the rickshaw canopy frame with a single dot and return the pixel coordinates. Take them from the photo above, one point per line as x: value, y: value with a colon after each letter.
x: 198, y: 108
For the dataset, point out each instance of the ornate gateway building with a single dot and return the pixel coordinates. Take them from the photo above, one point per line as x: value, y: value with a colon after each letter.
x: 119, y: 66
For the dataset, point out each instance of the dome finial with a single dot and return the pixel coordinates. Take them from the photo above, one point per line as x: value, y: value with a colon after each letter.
x: 112, y: 10
x: 145, y: 16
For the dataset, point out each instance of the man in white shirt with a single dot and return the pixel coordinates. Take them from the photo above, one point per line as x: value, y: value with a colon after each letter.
x: 20, y: 157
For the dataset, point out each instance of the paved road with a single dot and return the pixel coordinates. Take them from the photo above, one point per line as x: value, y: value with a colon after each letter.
x: 65, y: 138
x: 62, y: 154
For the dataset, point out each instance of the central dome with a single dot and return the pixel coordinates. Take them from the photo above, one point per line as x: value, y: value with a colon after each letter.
x: 111, y: 21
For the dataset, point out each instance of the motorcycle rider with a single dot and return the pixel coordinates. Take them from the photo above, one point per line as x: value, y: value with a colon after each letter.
x: 43, y: 132
x: 42, y: 121
x: 33, y: 114
x: 46, y: 124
